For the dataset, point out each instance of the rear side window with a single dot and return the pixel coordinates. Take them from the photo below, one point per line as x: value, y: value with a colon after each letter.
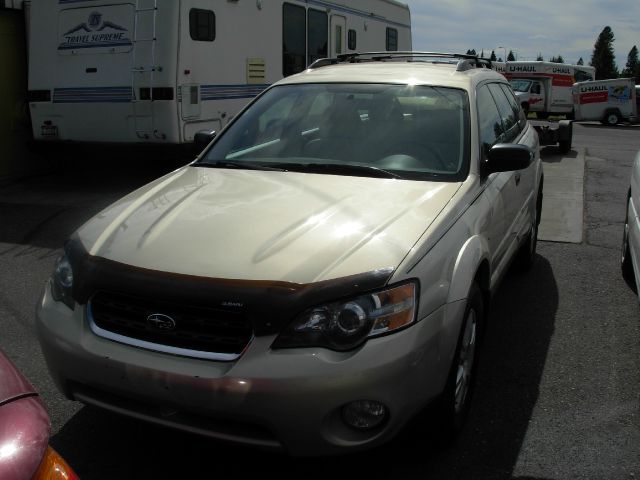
x: 520, y: 115
x: 392, y: 39
x: 202, y: 25
x: 508, y: 116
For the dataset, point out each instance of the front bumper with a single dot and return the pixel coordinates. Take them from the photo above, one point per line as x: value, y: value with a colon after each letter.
x: 280, y: 399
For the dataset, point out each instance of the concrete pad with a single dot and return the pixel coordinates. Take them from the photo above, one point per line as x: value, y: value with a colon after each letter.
x: 563, y: 200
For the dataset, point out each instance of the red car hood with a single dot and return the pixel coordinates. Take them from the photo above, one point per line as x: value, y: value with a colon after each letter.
x: 12, y: 383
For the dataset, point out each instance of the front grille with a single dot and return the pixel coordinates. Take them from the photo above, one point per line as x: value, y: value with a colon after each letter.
x: 191, y: 328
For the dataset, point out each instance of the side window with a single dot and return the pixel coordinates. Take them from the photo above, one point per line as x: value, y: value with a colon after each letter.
x: 392, y: 39
x: 489, y: 121
x: 535, y: 88
x: 508, y: 116
x: 293, y: 39
x: 520, y: 115
x: 317, y: 35
x: 202, y: 25
x: 352, y: 40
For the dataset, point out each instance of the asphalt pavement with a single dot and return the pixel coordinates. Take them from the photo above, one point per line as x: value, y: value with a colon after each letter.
x: 558, y: 392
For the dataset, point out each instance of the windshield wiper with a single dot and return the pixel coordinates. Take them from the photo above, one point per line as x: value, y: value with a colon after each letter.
x: 238, y: 165
x: 345, y: 168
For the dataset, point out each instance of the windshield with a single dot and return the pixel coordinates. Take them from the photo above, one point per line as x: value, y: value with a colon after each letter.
x: 394, y: 131
x: 520, y: 85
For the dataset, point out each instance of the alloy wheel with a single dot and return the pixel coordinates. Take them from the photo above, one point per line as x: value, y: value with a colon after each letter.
x: 465, y: 362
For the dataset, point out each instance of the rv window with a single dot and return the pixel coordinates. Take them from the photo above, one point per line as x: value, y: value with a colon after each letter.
x: 392, y: 39
x: 317, y: 35
x: 202, y: 25
x: 352, y: 40
x: 293, y: 39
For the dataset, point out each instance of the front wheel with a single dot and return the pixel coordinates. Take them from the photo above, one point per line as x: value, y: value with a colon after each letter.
x: 456, y: 399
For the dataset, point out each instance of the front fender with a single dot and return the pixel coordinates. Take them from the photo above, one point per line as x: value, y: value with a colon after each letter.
x: 471, y: 255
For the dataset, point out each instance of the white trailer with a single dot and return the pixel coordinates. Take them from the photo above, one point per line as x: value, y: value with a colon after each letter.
x: 608, y: 101
x: 545, y: 87
x: 159, y: 71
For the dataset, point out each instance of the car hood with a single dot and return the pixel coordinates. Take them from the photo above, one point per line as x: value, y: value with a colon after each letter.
x: 12, y: 382
x: 266, y: 225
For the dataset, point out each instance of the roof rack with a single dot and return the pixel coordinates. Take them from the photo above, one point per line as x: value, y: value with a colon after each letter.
x: 463, y: 61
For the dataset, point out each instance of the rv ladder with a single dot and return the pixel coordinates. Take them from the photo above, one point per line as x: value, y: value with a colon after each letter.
x: 143, y: 109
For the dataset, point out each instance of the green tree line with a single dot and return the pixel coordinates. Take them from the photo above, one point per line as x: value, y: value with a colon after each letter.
x: 602, y: 58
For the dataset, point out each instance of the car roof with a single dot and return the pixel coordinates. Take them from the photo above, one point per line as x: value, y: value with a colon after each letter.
x: 459, y: 71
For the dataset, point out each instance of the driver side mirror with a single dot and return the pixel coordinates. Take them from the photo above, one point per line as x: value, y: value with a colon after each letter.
x: 202, y: 139
x: 507, y: 157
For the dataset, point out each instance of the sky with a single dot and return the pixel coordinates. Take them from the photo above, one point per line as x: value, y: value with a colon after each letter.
x: 551, y: 27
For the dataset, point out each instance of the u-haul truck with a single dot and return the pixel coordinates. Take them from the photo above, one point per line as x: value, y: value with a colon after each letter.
x: 545, y: 87
x: 159, y: 71
x: 608, y: 101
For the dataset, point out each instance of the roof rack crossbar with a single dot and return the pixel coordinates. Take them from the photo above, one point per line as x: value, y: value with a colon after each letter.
x: 463, y: 61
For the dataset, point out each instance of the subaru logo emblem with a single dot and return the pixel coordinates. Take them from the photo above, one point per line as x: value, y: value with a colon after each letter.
x: 159, y: 321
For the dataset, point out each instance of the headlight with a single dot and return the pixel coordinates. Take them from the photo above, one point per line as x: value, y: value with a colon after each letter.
x: 346, y: 325
x: 62, y: 282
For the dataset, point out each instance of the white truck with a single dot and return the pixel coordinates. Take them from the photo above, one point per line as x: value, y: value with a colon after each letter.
x: 159, y: 71
x: 544, y: 87
x: 609, y: 101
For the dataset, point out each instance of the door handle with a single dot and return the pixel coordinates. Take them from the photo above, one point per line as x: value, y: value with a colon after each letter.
x: 517, y: 178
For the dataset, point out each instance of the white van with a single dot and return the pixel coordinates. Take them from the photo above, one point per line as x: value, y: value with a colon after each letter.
x: 162, y: 70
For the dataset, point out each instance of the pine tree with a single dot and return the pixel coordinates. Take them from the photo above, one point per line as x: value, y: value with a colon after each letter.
x: 632, y: 69
x: 580, y: 61
x: 603, y: 58
x: 493, y: 57
x: 539, y: 57
x: 511, y: 57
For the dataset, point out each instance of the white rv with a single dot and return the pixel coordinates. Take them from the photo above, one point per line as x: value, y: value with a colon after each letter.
x: 159, y: 71
x: 545, y: 87
x: 609, y: 101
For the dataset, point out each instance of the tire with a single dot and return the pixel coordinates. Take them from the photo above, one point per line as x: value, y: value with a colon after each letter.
x: 456, y: 398
x: 611, y: 118
x: 625, y: 254
x: 527, y: 253
x: 565, y: 132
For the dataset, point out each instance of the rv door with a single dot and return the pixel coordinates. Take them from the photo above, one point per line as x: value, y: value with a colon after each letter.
x: 337, y: 35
